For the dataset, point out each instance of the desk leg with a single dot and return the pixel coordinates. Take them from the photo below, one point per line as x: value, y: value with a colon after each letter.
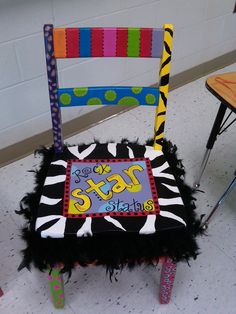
x: 211, y: 141
x: 222, y: 198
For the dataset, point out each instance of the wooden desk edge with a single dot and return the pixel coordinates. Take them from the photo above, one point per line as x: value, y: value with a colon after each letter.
x: 221, y: 99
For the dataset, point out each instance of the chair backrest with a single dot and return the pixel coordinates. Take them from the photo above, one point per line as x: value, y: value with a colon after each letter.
x: 108, y: 42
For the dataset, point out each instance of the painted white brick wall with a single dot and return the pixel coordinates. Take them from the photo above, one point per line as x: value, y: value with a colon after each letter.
x: 204, y: 29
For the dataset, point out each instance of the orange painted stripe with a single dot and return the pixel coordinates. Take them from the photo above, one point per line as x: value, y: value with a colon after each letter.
x: 59, y: 41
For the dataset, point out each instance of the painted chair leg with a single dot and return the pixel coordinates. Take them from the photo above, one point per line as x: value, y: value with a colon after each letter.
x: 167, y: 280
x: 56, y: 287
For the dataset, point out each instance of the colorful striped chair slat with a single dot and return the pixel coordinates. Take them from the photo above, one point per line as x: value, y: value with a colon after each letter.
x: 107, y: 42
x: 108, y: 95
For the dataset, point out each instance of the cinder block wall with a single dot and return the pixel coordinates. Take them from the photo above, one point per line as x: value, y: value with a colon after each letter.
x: 204, y: 29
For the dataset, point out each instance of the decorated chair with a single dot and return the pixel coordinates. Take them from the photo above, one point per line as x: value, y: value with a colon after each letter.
x: 112, y: 204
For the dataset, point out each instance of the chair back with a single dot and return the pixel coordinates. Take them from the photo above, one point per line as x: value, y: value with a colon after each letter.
x: 108, y: 42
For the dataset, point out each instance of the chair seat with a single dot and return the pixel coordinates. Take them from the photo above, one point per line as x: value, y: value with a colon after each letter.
x: 109, y: 188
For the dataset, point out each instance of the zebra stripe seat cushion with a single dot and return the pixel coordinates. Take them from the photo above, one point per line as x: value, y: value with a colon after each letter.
x: 109, y: 188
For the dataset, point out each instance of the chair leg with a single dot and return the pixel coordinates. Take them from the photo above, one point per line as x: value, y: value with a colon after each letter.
x: 222, y: 198
x: 167, y: 279
x: 211, y: 141
x: 56, y: 287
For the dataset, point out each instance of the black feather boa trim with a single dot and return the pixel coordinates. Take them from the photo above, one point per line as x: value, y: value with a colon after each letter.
x: 114, y: 252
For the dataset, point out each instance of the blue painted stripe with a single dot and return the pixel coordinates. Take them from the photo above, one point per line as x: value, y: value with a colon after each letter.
x: 108, y: 95
x: 85, y: 42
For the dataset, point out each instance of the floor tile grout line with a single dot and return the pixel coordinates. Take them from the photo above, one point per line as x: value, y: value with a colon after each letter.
x: 232, y: 259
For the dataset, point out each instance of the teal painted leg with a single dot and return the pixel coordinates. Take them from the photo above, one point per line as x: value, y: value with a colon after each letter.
x: 56, y: 287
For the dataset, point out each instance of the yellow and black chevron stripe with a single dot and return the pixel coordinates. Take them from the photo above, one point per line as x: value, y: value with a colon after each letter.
x: 163, y: 86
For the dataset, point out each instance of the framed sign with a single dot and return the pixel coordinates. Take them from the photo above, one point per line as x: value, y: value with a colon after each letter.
x: 115, y: 187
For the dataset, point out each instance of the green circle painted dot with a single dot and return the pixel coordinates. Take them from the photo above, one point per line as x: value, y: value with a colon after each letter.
x: 80, y: 91
x: 110, y: 95
x: 136, y: 90
x: 65, y: 99
x: 94, y: 101
x: 150, y: 99
x: 128, y: 101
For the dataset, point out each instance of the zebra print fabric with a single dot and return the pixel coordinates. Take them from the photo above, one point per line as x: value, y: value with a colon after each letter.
x: 51, y: 222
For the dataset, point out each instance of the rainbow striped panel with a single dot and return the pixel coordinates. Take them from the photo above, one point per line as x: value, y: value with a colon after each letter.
x: 108, y: 42
x: 108, y: 95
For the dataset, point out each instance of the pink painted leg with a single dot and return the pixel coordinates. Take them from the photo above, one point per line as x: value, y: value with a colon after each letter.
x: 167, y: 280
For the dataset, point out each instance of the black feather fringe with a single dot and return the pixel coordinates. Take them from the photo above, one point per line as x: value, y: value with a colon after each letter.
x: 113, y: 251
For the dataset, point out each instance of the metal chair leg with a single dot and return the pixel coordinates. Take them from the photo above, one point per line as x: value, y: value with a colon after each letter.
x: 211, y: 140
x: 220, y: 201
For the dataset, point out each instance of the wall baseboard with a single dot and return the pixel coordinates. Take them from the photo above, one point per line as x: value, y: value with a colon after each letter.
x: 23, y: 148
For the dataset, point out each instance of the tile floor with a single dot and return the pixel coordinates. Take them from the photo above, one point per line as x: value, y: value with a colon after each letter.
x: 207, y: 286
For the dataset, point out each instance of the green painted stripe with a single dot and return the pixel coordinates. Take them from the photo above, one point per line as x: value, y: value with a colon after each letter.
x: 133, y: 42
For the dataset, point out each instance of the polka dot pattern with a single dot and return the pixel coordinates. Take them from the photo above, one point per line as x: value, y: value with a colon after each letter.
x: 110, y: 95
x: 136, y: 90
x: 80, y: 91
x: 94, y: 101
x: 116, y: 95
x: 56, y: 287
x: 150, y: 99
x: 65, y: 99
x: 128, y: 101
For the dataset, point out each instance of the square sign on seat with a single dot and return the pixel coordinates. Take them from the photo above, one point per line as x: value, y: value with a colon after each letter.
x: 118, y: 187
